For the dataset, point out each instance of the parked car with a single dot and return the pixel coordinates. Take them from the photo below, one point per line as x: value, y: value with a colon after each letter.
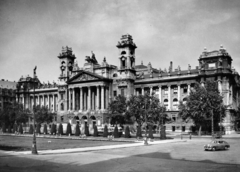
x: 217, y: 145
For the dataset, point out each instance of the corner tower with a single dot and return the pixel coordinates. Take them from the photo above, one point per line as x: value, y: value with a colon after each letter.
x: 126, y: 69
x: 127, y: 52
x: 66, y: 61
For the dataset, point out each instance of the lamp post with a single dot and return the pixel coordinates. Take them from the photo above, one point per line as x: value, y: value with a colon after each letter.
x: 145, y: 141
x: 34, y: 144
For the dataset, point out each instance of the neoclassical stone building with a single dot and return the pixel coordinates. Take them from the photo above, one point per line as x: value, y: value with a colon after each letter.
x: 82, y: 94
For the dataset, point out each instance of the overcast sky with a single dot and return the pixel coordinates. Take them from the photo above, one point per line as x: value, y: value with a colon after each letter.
x: 33, y: 32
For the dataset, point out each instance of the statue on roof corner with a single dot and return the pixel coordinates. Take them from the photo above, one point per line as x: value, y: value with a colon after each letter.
x: 92, y: 59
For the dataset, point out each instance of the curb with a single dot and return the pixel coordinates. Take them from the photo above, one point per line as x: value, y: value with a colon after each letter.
x: 97, y: 148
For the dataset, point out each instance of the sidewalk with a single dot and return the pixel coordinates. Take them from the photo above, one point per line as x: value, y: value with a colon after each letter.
x: 88, y: 149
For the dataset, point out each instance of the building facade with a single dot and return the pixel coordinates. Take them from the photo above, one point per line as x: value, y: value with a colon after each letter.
x: 82, y: 94
x: 7, y: 92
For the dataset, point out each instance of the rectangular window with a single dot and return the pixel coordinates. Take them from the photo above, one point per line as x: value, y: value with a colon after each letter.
x: 122, y: 92
x: 61, y: 96
x: 211, y: 65
x: 166, y: 91
x: 175, y: 90
x: 185, y: 90
x: 114, y: 93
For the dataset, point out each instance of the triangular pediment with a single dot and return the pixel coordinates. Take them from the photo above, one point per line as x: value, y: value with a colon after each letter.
x: 84, y: 76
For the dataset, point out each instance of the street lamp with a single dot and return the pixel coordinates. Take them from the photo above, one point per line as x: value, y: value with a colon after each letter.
x: 34, y: 144
x: 145, y: 141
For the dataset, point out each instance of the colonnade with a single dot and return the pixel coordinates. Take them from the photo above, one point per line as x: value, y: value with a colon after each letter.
x: 48, y: 100
x: 88, y: 98
x: 169, y: 95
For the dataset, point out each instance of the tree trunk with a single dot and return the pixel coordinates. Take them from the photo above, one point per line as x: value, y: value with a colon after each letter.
x: 200, y: 130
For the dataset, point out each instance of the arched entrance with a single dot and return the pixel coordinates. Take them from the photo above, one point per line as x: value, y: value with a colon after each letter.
x: 76, y: 118
x: 84, y: 120
x: 93, y: 120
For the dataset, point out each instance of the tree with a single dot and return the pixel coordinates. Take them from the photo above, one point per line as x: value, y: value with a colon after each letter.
x: 38, y: 129
x: 203, y: 106
x: 43, y: 115
x: 146, y: 110
x: 115, y: 133
x: 77, y: 130
x: 14, y: 128
x: 13, y: 113
x: 69, y: 129
x: 150, y: 135
x: 95, y: 134
x: 4, y: 128
x: 127, y: 132
x: 53, y: 129
x: 105, y: 132
x: 117, y: 109
x: 31, y: 129
x: 86, y: 130
x: 45, y: 130
x: 60, y: 129
x: 20, y: 130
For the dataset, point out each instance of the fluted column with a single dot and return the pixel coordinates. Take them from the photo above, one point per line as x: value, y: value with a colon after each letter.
x: 23, y: 102
x: 97, y: 99
x: 188, y: 92
x: 102, y: 98
x: 179, y: 93
x: 151, y: 89
x: 169, y: 97
x: 89, y: 98
x: 81, y: 99
x: 69, y: 99
x: 54, y: 102
x: 93, y: 99
x: 160, y: 93
x: 220, y: 87
x: 48, y: 101
x: 73, y: 99
x: 107, y: 96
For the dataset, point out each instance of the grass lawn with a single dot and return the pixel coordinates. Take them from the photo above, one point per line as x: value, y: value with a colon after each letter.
x: 15, y: 143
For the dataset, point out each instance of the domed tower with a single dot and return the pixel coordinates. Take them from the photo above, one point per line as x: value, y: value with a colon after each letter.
x: 66, y: 62
x: 126, y: 70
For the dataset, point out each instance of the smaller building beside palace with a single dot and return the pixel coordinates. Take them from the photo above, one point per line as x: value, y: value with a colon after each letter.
x: 83, y: 91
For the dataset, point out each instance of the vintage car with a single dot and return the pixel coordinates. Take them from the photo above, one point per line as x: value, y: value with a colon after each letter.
x: 217, y: 145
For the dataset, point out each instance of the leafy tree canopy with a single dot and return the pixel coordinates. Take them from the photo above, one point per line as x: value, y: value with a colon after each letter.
x: 42, y: 114
x: 14, y: 113
x: 201, y: 102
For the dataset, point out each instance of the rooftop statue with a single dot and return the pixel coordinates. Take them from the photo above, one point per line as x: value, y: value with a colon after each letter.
x: 92, y: 59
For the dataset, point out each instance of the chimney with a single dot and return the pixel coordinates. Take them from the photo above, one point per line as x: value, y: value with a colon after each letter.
x: 171, y: 66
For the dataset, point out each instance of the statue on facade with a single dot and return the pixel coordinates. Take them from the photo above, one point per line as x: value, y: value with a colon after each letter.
x: 202, y: 64
x: 220, y: 62
x: 179, y: 69
x: 92, y: 59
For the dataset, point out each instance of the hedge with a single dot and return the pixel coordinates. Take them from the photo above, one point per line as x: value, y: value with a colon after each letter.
x: 60, y: 129
x: 69, y: 129
x: 31, y: 129
x: 105, y: 132
x: 20, y: 129
x: 150, y: 134
x: 45, y: 131
x: 38, y: 129
x: 86, y: 130
x: 139, y: 132
x: 95, y: 134
x: 127, y: 132
x: 115, y: 133
x: 77, y: 130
